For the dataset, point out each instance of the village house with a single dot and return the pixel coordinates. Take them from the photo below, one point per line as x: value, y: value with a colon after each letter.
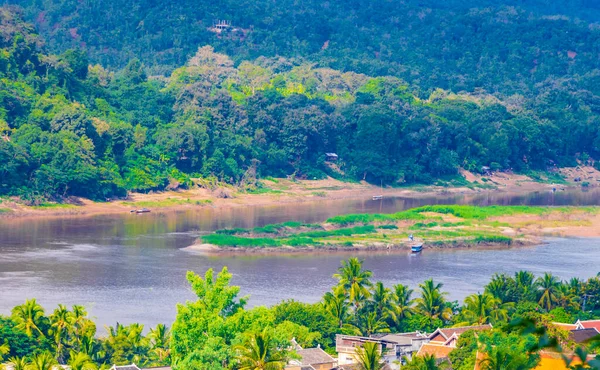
x: 392, y: 346
x: 311, y: 359
x: 581, y: 331
x: 443, y: 341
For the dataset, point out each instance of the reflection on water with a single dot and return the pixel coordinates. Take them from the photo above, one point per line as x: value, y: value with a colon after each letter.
x: 131, y: 268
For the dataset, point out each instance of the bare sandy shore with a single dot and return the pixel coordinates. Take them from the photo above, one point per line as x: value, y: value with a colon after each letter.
x: 281, y: 191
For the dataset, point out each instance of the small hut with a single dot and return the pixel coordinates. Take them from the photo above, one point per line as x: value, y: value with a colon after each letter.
x: 331, y: 157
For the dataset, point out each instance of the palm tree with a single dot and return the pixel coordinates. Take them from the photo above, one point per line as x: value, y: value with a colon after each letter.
x: 18, y: 363
x: 484, y: 308
x: 258, y: 353
x: 426, y: 362
x: 500, y: 287
x: 337, y: 305
x: 81, y: 325
x: 432, y: 302
x: 81, y: 361
x: 547, y: 290
x: 28, y: 317
x: 524, y: 281
x: 43, y: 361
x: 401, y: 306
x: 369, y: 323
x: 4, y: 350
x: 380, y: 299
x: 369, y: 357
x: 355, y: 280
x: 159, y: 342
x: 565, y: 297
x: 60, y: 323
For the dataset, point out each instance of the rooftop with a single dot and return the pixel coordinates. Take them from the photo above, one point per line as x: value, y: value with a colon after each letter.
x: 565, y: 326
x: 588, y: 324
x: 449, y: 332
x: 314, y: 356
x: 439, y: 351
x: 581, y: 335
x: 125, y: 367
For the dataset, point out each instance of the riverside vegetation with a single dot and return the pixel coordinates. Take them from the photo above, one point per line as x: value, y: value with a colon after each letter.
x: 217, y: 331
x: 70, y: 126
x: 436, y: 225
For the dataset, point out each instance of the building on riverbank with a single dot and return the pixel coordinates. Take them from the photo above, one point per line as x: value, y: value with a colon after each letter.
x: 392, y: 346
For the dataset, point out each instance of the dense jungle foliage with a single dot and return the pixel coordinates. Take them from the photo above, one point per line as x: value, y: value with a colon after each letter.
x: 141, y: 96
x: 217, y: 331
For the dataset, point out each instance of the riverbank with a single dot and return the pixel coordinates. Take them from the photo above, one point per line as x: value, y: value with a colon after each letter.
x: 285, y: 191
x: 434, y: 227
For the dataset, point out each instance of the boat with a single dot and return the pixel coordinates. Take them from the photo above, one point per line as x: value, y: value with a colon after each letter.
x: 142, y: 210
x: 379, y: 197
x: 416, y: 248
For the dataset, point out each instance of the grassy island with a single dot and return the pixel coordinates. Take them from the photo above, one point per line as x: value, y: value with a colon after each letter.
x: 435, y: 226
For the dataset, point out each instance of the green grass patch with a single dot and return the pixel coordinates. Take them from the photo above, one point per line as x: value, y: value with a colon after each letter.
x: 366, y: 218
x: 358, y: 230
x: 546, y: 177
x: 481, y: 213
x: 222, y: 240
x: 264, y: 190
x: 48, y: 205
x: 269, y: 229
x: 5, y: 210
x: 387, y: 227
x: 168, y: 202
x: 496, y: 239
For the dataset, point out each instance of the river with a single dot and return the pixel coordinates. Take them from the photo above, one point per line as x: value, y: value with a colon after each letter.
x: 131, y: 268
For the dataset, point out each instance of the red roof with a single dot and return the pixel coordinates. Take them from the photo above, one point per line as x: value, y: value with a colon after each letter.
x: 448, y: 332
x: 590, y: 324
x: 437, y: 350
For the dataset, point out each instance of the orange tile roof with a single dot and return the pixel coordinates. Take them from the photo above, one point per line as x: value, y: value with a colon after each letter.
x: 437, y: 350
x: 565, y: 326
x: 589, y: 324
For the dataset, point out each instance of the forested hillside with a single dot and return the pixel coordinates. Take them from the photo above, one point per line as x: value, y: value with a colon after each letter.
x: 274, y: 99
x: 506, y: 46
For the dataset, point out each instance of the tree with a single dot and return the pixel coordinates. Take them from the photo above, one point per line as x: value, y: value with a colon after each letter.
x: 29, y: 317
x: 337, y: 305
x: 380, y: 299
x: 43, y: 361
x: 525, y: 284
x: 18, y: 363
x: 484, y: 308
x: 432, y: 303
x: 60, y: 322
x: 369, y: 357
x: 370, y: 323
x: 547, y: 287
x: 427, y: 362
x: 401, y: 304
x: 259, y: 353
x: 355, y: 280
x: 80, y: 361
x: 159, y: 343
x: 208, y: 317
